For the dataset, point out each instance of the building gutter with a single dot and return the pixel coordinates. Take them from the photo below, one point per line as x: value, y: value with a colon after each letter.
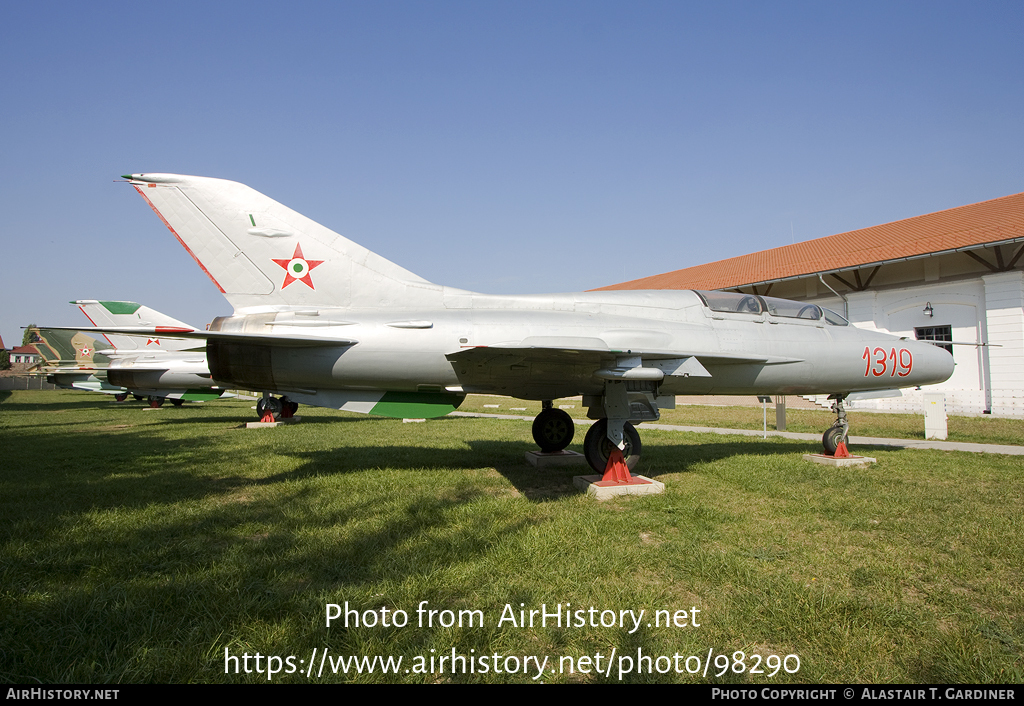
x: 846, y: 302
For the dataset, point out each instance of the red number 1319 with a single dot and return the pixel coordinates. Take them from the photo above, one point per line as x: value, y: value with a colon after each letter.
x: 879, y: 360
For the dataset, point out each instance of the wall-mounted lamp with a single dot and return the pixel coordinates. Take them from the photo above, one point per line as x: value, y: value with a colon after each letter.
x: 928, y: 311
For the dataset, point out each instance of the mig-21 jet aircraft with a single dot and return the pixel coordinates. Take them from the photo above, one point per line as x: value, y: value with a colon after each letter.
x: 324, y: 321
x: 158, y: 368
x: 152, y: 367
x: 73, y: 360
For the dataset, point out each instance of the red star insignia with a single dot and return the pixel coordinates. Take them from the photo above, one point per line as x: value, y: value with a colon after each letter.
x: 297, y: 268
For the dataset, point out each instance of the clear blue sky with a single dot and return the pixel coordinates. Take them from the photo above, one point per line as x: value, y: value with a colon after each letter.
x: 494, y: 146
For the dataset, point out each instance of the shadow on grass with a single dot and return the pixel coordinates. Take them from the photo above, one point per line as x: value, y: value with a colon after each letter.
x: 127, y: 458
x: 141, y: 554
x: 121, y: 465
x: 14, y: 407
x: 144, y: 603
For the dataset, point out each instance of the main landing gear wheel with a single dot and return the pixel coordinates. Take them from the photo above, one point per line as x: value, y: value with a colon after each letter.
x: 121, y: 396
x: 830, y: 440
x: 553, y: 430
x: 177, y: 403
x: 288, y: 408
x: 597, y: 447
x: 155, y: 401
x: 138, y: 398
x: 268, y: 404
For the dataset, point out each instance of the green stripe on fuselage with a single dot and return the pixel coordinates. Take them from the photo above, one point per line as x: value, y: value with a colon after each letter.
x: 416, y: 405
x: 201, y: 395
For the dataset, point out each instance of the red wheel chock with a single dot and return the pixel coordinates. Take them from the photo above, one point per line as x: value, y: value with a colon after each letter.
x: 268, y: 417
x: 616, y: 470
x: 841, y: 451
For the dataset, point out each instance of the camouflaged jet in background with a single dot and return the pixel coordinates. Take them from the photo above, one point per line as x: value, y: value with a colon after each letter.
x: 326, y: 322
x: 152, y: 367
x: 72, y: 361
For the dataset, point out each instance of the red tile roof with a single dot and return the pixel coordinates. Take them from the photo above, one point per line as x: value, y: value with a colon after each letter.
x: 996, y: 221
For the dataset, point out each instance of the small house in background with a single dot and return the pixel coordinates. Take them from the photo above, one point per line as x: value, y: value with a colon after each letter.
x: 24, y: 358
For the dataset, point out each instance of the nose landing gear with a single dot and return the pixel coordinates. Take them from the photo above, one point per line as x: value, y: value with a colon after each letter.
x: 834, y: 439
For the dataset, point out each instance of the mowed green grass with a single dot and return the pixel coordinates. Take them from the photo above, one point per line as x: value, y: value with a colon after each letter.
x: 138, y: 546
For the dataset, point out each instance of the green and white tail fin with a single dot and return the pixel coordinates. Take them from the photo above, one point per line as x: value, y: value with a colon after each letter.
x: 260, y: 253
x: 113, y: 314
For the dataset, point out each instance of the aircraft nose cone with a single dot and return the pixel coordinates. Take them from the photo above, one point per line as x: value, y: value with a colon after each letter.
x: 931, y: 363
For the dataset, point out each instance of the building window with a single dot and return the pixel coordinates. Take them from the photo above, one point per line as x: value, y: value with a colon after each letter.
x: 936, y: 333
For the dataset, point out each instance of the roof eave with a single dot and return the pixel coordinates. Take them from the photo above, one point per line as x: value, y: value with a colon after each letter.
x: 879, y: 263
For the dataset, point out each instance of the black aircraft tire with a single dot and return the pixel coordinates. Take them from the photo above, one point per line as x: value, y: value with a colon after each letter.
x: 272, y: 402
x: 177, y: 403
x: 121, y: 396
x: 155, y: 401
x: 138, y: 398
x: 553, y: 430
x: 830, y: 440
x: 597, y: 447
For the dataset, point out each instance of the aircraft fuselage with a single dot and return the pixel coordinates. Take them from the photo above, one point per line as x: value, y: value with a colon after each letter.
x: 429, y: 349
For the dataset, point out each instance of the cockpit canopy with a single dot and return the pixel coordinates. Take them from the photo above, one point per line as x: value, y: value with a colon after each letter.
x: 734, y: 303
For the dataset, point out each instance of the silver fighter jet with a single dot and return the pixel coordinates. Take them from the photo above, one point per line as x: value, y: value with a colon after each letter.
x: 321, y: 320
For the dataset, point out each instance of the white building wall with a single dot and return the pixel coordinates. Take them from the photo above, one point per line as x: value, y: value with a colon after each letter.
x: 1004, y: 309
x: 862, y: 308
x: 988, y: 308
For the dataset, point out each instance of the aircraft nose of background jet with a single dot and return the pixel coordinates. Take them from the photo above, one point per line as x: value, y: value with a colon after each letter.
x: 931, y: 363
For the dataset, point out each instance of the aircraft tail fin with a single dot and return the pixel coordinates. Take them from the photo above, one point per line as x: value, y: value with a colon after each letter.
x: 68, y: 348
x: 260, y: 253
x: 112, y: 314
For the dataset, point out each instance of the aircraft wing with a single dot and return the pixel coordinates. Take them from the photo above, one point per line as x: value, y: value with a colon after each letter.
x: 550, y: 367
x: 224, y: 336
x: 593, y: 351
x: 528, y: 365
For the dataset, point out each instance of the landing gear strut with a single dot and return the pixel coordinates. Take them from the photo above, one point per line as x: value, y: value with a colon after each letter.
x: 834, y: 439
x: 553, y: 429
x: 612, y: 446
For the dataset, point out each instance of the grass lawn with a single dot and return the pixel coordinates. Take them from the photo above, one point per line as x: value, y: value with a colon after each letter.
x: 979, y: 430
x: 146, y: 546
